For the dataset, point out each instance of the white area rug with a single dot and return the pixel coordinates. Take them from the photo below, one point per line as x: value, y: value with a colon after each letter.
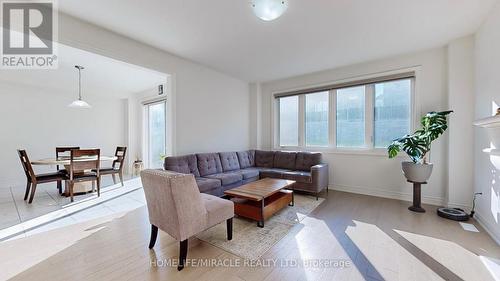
x: 250, y: 241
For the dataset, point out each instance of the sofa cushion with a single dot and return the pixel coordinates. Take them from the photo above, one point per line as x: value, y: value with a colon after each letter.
x: 298, y: 176
x: 305, y: 160
x: 227, y: 178
x: 275, y: 173
x: 284, y: 160
x: 264, y: 159
x: 206, y: 185
x: 182, y: 164
x: 246, y: 158
x: 209, y: 163
x: 249, y: 173
x: 229, y: 161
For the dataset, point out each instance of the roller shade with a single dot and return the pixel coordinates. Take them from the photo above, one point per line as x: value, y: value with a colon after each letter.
x: 399, y: 76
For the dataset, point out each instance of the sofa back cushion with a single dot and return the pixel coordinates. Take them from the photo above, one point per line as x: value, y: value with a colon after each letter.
x: 284, y: 160
x: 264, y: 159
x: 209, y: 163
x: 246, y: 158
x: 229, y: 161
x: 185, y: 164
x: 305, y: 160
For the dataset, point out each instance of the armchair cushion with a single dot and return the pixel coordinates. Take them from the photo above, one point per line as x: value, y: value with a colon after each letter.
x: 229, y: 161
x: 218, y: 209
x: 246, y: 158
x: 209, y: 164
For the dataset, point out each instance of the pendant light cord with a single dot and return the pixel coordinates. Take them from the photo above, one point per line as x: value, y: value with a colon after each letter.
x: 79, y: 84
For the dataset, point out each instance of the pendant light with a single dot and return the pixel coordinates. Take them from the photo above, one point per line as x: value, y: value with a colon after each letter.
x: 79, y: 103
x: 269, y: 10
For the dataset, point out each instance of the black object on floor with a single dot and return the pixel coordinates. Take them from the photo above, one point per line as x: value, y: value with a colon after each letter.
x: 455, y: 214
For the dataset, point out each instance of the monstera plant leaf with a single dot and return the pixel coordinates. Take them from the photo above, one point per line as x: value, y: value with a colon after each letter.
x: 418, y: 144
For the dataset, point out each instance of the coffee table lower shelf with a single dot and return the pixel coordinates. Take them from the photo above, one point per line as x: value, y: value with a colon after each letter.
x: 263, y: 209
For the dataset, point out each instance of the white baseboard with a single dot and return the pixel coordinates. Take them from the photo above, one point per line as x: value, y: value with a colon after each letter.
x: 378, y: 192
x: 488, y: 227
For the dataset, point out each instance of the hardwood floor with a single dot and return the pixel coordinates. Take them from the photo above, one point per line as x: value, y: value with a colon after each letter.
x: 378, y: 238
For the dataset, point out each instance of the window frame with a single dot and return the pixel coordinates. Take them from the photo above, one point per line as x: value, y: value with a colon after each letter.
x: 369, y: 148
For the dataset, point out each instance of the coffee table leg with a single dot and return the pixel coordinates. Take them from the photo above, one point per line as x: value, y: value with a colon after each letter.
x: 293, y: 200
x: 261, y: 222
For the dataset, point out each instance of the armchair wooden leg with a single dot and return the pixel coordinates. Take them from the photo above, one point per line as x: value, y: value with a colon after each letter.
x: 98, y: 186
x: 183, y: 254
x: 59, y: 186
x: 26, y: 193
x: 71, y: 185
x: 229, y: 225
x: 154, y: 234
x: 33, y: 189
x: 114, y: 178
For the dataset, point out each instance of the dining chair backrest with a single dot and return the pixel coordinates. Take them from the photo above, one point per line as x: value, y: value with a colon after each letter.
x: 25, y: 161
x: 120, y: 157
x: 64, y: 151
x: 84, y: 159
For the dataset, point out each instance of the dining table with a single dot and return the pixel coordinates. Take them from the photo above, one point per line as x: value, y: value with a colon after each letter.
x: 80, y: 188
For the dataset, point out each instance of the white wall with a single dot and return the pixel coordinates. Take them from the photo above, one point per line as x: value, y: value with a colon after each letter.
x: 376, y: 174
x: 38, y: 120
x: 461, y: 132
x: 487, y: 178
x: 211, y: 109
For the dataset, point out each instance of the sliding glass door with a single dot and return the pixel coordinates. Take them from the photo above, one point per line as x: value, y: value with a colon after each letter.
x: 156, y: 133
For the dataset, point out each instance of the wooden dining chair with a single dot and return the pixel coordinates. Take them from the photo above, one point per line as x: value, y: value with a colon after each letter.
x: 117, y: 166
x: 33, y: 179
x: 63, y: 151
x: 84, y: 166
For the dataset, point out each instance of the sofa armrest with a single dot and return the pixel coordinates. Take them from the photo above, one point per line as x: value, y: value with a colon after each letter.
x: 319, y: 174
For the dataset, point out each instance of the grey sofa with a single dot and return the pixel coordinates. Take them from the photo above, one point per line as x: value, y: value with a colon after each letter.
x: 217, y: 172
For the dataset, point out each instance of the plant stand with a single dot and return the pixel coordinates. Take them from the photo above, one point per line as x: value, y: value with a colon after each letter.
x: 417, y: 200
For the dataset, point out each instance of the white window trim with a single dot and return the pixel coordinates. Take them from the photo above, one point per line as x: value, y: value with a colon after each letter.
x: 369, y: 150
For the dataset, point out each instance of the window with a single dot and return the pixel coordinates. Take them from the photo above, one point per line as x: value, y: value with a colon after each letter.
x: 317, y: 119
x: 353, y: 116
x: 392, y: 111
x: 289, y: 121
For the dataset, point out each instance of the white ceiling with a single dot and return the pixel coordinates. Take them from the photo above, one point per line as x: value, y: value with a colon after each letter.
x: 102, y: 77
x: 312, y: 35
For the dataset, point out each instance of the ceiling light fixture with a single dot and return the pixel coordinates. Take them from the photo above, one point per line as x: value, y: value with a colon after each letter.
x: 269, y: 10
x: 79, y: 103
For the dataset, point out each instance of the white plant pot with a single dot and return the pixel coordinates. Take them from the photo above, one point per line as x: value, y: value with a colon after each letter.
x: 416, y: 172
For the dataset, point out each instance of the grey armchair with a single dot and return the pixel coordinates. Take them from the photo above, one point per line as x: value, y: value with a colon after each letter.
x: 176, y: 206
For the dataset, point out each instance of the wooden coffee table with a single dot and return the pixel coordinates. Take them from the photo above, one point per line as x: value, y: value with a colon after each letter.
x: 259, y: 200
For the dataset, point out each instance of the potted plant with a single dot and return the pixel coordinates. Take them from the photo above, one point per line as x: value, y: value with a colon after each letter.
x: 418, y: 144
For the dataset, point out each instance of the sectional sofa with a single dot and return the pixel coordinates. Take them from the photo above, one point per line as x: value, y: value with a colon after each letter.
x: 217, y: 172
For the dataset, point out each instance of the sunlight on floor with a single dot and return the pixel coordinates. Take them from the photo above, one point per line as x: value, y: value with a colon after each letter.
x: 450, y: 255
x: 18, y: 256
